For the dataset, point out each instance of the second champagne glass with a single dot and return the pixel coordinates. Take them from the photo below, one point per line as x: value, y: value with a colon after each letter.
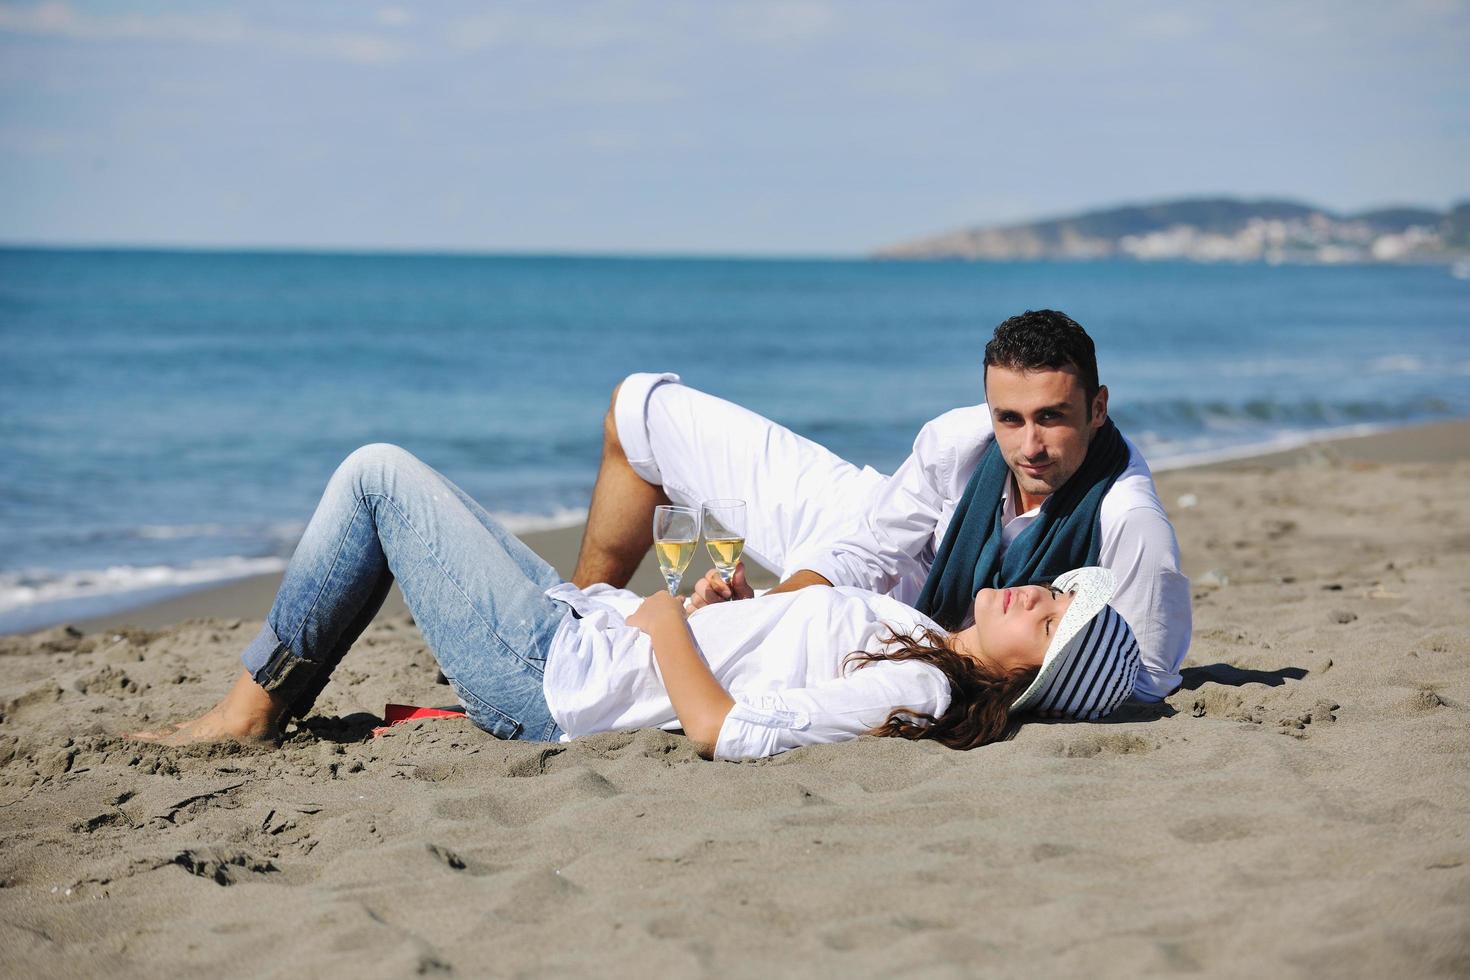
x: 675, y: 533
x: 724, y: 533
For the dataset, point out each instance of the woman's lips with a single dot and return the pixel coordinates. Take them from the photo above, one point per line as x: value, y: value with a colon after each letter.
x: 1005, y: 601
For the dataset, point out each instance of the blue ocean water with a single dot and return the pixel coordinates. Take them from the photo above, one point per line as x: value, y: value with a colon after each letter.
x: 169, y: 418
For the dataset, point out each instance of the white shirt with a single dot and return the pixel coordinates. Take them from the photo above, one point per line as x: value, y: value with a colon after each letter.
x: 780, y: 657
x: 892, y: 547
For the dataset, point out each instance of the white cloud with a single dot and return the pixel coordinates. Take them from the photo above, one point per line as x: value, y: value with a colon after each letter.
x: 605, y: 23
x: 55, y: 18
x: 549, y: 27
x: 45, y: 141
x: 612, y: 90
x: 780, y: 22
x: 1169, y: 24
x: 394, y: 17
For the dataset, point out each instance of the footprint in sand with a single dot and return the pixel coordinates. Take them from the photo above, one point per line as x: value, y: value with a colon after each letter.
x: 1047, y: 851
x: 537, y: 763
x: 1212, y: 829
x: 222, y: 865
x: 108, y: 680
x: 37, y: 700
x: 585, y: 784
x: 455, y: 862
x: 1319, y: 715
x: 540, y: 895
x: 1213, y: 701
x: 879, y: 934
x: 1089, y: 744
x: 1423, y: 700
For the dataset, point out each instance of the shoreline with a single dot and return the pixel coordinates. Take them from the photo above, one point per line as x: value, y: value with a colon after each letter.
x: 250, y: 597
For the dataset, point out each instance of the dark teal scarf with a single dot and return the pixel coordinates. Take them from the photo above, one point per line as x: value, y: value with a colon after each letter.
x: 1065, y: 535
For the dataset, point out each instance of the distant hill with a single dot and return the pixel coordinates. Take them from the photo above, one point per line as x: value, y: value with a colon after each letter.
x: 1212, y: 230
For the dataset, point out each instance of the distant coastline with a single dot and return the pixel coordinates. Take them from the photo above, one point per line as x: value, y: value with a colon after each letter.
x: 1213, y: 230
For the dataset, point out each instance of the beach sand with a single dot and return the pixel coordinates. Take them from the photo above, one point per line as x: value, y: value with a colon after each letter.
x: 1300, y: 807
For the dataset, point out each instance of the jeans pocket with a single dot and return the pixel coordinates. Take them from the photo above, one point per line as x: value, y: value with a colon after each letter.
x: 487, y: 717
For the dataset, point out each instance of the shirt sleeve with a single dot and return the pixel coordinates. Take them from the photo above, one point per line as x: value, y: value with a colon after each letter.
x: 834, y: 711
x: 1152, y: 594
x: 895, y: 538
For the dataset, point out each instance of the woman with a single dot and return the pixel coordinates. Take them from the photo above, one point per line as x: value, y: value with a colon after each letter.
x: 535, y: 658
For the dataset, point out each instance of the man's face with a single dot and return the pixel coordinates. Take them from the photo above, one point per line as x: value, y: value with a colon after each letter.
x: 1042, y: 426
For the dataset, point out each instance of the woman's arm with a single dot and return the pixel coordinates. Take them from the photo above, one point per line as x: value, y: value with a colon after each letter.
x: 698, y: 699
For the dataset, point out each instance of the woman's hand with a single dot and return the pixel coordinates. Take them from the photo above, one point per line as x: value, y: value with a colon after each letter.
x: 698, y: 699
x: 657, y: 608
x: 712, y: 588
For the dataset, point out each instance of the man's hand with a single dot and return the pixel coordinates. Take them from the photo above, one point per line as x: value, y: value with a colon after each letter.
x: 712, y: 588
x: 657, y: 608
x: 801, y: 579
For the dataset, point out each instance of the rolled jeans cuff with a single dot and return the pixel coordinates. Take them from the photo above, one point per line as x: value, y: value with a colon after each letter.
x: 273, y: 666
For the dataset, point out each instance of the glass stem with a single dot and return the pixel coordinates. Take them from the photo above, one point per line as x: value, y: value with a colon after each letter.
x: 672, y: 578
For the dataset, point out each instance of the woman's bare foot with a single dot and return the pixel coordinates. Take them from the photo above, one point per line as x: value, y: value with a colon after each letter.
x: 249, y: 713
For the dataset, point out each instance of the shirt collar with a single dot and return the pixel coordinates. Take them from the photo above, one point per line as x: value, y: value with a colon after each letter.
x: 1007, y: 503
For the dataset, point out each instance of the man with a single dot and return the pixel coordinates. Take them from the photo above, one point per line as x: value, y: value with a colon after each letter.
x: 1017, y: 490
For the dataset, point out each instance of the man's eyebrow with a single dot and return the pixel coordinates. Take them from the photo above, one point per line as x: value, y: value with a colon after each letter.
x: 1057, y: 407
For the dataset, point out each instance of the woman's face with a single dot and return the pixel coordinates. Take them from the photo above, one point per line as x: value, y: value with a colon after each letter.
x: 1013, y: 627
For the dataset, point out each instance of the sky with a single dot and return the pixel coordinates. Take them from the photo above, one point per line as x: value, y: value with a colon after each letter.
x: 783, y: 128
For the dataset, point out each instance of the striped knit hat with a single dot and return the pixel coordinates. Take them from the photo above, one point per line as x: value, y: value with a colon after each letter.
x: 1093, y: 659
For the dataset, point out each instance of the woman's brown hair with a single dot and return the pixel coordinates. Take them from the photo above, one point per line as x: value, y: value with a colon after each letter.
x: 979, y: 696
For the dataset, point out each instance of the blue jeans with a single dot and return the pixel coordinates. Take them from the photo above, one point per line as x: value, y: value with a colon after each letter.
x: 476, y: 592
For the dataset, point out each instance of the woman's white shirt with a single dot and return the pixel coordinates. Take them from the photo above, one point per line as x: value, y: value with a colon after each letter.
x: 780, y: 657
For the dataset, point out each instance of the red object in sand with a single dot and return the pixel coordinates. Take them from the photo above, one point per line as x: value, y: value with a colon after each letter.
x: 394, y: 714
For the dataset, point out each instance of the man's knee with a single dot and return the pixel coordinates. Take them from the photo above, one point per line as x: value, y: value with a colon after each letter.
x: 610, y: 441
x: 629, y: 427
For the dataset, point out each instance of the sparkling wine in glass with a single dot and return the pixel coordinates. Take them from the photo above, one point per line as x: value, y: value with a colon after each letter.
x: 675, y: 533
x: 724, y: 533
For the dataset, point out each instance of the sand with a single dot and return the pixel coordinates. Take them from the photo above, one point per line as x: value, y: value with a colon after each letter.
x: 1300, y: 807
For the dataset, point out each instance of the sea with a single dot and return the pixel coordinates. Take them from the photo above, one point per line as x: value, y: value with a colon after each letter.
x: 169, y: 418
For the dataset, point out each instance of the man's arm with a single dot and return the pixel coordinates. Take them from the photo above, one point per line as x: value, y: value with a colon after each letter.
x: 800, y: 580
x: 711, y: 588
x: 892, y: 541
x: 698, y: 699
x: 1152, y: 594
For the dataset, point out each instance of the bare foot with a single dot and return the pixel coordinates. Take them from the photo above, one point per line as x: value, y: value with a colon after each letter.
x: 248, y: 714
x: 213, y: 726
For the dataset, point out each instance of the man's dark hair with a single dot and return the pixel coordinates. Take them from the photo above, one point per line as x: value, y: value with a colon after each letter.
x: 1040, y: 340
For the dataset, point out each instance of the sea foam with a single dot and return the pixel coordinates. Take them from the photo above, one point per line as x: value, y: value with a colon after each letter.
x: 33, y: 586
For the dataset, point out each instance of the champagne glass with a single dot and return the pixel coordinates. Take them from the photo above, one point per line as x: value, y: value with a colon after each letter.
x: 724, y: 534
x: 675, y: 533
